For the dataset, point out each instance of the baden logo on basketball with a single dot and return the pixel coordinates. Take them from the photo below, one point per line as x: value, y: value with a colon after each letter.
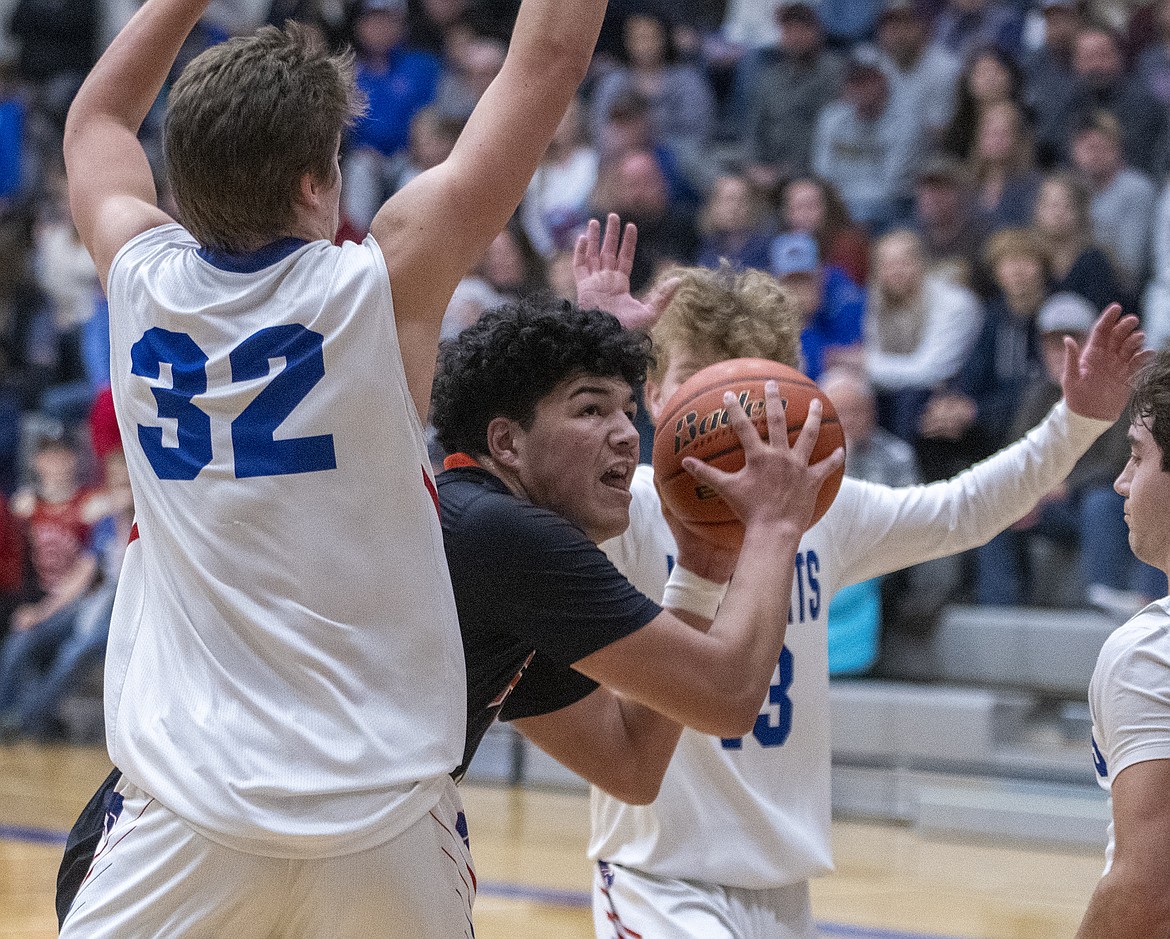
x: 715, y: 426
x: 695, y: 422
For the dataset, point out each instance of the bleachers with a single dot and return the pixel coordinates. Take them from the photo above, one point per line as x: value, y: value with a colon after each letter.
x: 990, y: 739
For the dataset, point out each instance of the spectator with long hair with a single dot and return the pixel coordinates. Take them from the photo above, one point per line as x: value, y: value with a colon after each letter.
x: 1062, y: 221
x: 813, y: 206
x: 733, y: 225
x: 989, y: 77
x: 1002, y: 165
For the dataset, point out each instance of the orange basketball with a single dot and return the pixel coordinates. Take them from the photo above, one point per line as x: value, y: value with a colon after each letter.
x: 695, y: 423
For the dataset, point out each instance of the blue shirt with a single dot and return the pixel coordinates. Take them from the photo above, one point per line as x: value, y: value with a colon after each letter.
x: 837, y: 321
x: 396, y: 93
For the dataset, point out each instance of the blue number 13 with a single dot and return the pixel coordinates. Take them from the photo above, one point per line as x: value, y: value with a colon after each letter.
x: 775, y: 721
x: 257, y: 451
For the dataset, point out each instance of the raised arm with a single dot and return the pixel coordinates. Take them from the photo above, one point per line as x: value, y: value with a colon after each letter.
x: 436, y: 228
x: 601, y: 272
x: 111, y: 187
x: 919, y: 523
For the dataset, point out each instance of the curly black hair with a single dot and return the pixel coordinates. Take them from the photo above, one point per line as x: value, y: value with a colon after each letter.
x: 515, y: 355
x: 1150, y: 404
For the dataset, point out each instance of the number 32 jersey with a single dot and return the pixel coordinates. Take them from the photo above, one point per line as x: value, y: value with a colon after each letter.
x: 754, y: 812
x: 284, y: 671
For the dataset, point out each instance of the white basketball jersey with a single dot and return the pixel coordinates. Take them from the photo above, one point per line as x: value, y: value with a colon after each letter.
x: 285, y: 670
x: 755, y: 812
x: 1129, y: 699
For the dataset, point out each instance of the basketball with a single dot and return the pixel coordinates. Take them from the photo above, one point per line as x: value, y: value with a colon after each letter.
x: 695, y: 423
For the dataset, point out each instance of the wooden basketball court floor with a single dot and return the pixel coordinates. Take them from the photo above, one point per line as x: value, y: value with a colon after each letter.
x: 890, y: 882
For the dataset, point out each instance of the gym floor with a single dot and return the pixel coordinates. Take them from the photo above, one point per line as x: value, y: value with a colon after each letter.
x: 890, y: 883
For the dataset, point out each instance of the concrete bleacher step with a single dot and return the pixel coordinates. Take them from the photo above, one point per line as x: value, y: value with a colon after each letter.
x: 1042, y: 650
x: 993, y: 808
x: 1048, y: 815
x: 897, y: 724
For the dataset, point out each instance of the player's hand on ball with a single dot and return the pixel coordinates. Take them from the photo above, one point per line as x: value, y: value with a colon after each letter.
x: 776, y: 486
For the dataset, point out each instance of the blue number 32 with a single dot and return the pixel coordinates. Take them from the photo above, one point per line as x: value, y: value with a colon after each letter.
x: 257, y: 451
x: 775, y: 721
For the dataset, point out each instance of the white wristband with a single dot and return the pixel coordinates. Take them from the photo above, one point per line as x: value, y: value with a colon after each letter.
x: 691, y: 593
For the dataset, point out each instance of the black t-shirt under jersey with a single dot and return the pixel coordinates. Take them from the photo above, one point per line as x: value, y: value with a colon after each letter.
x: 534, y: 595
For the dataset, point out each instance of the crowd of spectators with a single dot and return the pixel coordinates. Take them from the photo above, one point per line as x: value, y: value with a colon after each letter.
x: 926, y: 176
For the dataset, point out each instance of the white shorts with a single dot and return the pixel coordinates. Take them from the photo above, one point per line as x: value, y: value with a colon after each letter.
x: 152, y: 877
x: 629, y: 904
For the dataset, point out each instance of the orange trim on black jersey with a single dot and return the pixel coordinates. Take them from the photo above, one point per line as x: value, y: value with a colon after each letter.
x: 459, y: 461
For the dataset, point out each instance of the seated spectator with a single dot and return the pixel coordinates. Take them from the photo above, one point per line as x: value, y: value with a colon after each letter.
x: 511, y: 266
x: 733, y: 225
x: 1002, y: 165
x: 1122, y: 206
x: 1049, y: 87
x: 466, y: 76
x: 924, y: 73
x: 786, y: 96
x: 555, y: 204
x: 1103, y: 84
x: 945, y: 219
x: 682, y: 106
x: 865, y: 144
x: 629, y: 129
x: 635, y: 188
x: 14, y: 155
x: 848, y: 22
x: 56, y: 518
x: 812, y: 206
x: 1156, y: 299
x: 919, y: 330
x: 432, y: 138
x: 70, y: 642
x: 1153, y: 65
x: 65, y: 325
x: 970, y: 418
x: 397, y: 82
x: 1063, y: 223
x: 964, y: 26
x: 1084, y: 510
x: 328, y: 20
x: 429, y: 21
x: 57, y: 44
x: 873, y: 454
x: 829, y: 304
x: 990, y: 77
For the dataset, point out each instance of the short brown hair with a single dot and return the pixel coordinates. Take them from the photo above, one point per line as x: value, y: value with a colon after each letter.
x: 727, y: 314
x: 245, y: 121
x: 1150, y: 403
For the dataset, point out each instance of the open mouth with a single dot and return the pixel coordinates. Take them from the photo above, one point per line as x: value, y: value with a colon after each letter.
x: 618, y: 477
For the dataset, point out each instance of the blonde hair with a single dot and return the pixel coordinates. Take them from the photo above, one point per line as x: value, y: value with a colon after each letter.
x: 725, y: 313
x: 1014, y: 243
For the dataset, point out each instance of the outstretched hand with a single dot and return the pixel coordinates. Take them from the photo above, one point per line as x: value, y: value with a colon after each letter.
x: 776, y: 485
x: 1097, y: 379
x: 602, y: 268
